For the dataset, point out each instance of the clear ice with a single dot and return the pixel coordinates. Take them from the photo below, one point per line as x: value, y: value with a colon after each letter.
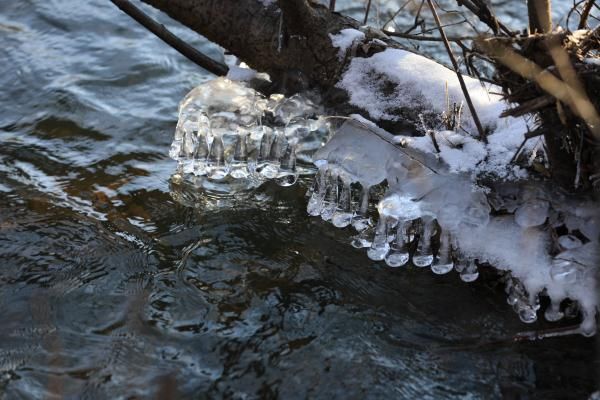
x: 408, y: 207
x: 431, y: 217
x: 227, y: 131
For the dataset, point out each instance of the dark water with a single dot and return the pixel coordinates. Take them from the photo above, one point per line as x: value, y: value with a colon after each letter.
x: 110, y: 288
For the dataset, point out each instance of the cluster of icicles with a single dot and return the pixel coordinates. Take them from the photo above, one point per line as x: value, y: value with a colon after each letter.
x: 229, y: 131
x: 391, y: 239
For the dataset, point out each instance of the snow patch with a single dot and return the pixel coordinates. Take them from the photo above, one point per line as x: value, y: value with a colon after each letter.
x: 345, y: 38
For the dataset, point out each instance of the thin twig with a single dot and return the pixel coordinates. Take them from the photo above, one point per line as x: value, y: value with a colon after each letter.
x: 331, y: 5
x: 426, y: 38
x: 586, y: 13
x: 169, y: 38
x: 367, y: 12
x: 482, y: 133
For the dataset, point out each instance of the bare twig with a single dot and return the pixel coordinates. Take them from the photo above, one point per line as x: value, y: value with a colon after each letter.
x: 586, y: 13
x: 485, y: 15
x: 426, y: 38
x: 482, y: 133
x: 331, y: 5
x: 169, y: 38
x: 367, y: 12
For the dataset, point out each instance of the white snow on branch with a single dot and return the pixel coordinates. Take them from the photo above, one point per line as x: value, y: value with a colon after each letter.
x: 345, y: 38
x: 421, y: 84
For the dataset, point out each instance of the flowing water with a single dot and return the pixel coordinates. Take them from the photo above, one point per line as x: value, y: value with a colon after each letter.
x: 116, y: 283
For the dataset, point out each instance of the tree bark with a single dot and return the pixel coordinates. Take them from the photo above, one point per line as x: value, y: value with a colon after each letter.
x: 249, y: 29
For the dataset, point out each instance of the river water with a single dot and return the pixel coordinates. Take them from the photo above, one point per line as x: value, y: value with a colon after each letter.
x: 112, y: 287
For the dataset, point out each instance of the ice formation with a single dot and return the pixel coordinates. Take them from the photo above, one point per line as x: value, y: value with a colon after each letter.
x: 230, y: 134
x: 441, y: 219
x: 408, y: 200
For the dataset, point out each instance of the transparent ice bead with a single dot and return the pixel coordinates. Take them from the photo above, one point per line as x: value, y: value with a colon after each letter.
x: 423, y: 256
x: 342, y: 216
x: 363, y: 239
x: 527, y: 314
x: 532, y: 213
x: 400, y: 246
x: 569, y: 242
x: 563, y: 270
x: 469, y: 273
x: 443, y: 263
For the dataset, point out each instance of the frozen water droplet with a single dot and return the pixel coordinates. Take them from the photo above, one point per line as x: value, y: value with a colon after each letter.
x: 363, y: 239
x: 470, y: 272
x: 527, y: 315
x: 443, y: 263
x: 423, y: 256
x: 532, y: 213
x: 569, y: 242
x: 563, y: 270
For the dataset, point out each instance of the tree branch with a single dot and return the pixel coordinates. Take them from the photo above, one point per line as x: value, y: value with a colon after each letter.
x: 169, y: 38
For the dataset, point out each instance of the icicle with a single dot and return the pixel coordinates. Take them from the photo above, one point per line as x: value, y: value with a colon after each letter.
x: 288, y: 175
x: 380, y: 246
x: 270, y: 170
x: 239, y: 164
x: 216, y: 166
x: 175, y: 150
x: 361, y: 220
x: 399, y: 249
x: 363, y: 239
x: 470, y: 272
x: 563, y: 270
x: 342, y: 216
x: 423, y: 256
x: 315, y: 202
x: 553, y: 312
x: 264, y: 150
x: 443, y: 263
x: 331, y: 197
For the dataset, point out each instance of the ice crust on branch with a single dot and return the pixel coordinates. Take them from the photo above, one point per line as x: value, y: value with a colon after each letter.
x: 444, y: 220
x: 406, y: 200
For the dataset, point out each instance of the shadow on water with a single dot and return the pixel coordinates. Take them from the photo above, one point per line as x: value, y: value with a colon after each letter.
x: 110, y: 287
